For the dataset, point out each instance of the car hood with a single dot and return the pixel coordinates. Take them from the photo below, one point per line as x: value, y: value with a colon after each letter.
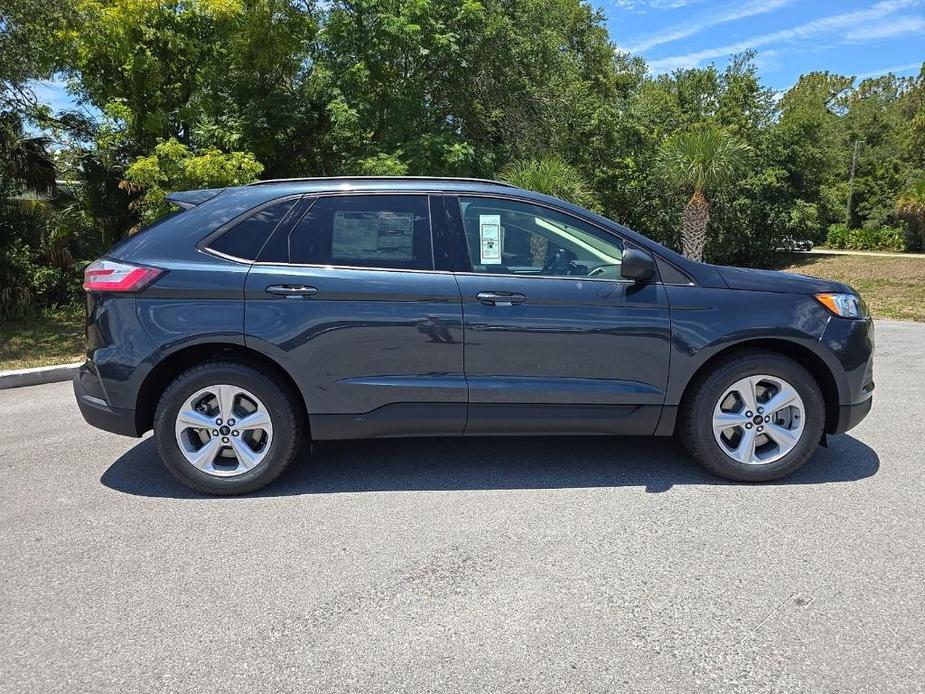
x: 773, y: 281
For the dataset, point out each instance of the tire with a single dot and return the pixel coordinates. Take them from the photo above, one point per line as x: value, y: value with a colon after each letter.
x: 710, y: 398
x: 273, y: 444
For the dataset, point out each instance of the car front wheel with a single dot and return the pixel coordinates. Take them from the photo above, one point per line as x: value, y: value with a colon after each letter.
x: 757, y: 416
x: 227, y: 428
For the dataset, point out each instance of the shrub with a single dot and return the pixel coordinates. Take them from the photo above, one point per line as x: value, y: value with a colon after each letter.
x: 866, y: 239
x: 837, y: 236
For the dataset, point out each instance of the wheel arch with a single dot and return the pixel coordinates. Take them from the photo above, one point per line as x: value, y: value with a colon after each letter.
x: 806, y: 357
x: 172, y: 365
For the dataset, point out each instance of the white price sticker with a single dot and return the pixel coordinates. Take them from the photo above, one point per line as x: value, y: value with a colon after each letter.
x: 490, y: 239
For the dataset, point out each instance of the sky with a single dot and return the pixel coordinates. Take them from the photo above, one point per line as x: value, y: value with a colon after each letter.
x: 792, y: 37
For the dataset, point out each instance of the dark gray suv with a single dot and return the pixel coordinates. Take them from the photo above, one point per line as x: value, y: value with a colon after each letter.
x: 374, y: 307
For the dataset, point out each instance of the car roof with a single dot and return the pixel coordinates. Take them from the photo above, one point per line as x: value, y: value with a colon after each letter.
x: 325, y: 184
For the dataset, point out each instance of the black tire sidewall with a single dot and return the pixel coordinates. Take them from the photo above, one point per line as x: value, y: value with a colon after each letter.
x: 708, y: 451
x: 271, y: 394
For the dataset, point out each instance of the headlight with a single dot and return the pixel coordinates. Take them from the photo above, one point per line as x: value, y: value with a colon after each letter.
x: 843, y: 305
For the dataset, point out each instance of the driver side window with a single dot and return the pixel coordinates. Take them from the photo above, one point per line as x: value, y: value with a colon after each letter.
x: 510, y: 237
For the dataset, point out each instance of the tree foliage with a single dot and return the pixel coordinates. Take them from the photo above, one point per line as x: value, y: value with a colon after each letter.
x: 173, y: 166
x: 187, y: 93
x: 551, y: 176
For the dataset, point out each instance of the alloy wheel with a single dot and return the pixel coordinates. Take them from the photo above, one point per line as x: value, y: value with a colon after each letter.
x: 224, y: 430
x: 758, y: 420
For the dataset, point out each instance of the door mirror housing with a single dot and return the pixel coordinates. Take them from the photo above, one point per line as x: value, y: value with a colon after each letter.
x: 638, y: 265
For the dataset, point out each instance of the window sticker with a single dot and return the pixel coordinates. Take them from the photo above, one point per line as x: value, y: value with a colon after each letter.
x: 490, y: 239
x: 373, y: 235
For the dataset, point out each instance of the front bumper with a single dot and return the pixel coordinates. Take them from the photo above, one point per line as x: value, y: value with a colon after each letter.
x: 852, y: 343
x: 102, y: 416
x: 849, y: 416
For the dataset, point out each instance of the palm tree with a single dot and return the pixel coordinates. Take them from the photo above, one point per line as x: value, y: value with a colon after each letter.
x: 550, y: 176
x: 700, y: 158
x: 25, y: 159
x: 911, y: 207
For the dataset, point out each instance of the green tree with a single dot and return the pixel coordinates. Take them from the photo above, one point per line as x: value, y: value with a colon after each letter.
x: 910, y: 206
x: 25, y: 160
x: 698, y: 159
x: 550, y: 176
x: 173, y: 166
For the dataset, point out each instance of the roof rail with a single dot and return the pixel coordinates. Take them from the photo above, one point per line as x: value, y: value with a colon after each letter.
x: 380, y: 178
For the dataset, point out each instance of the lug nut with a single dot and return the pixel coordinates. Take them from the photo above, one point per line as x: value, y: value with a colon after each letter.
x: 748, y: 425
x: 234, y: 433
x: 760, y: 428
x: 224, y: 439
x: 748, y: 413
x: 767, y: 419
x: 230, y: 422
x: 760, y: 410
x: 215, y: 432
x: 219, y: 421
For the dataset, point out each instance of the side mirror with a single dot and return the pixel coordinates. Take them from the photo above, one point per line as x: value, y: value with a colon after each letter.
x: 638, y: 265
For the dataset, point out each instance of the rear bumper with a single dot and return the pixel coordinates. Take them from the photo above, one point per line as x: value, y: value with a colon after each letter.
x: 102, y: 416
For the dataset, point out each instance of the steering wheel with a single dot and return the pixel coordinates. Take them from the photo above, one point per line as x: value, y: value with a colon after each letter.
x: 560, y: 263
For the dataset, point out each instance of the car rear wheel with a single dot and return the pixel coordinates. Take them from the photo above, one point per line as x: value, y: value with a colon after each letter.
x: 227, y: 428
x: 758, y: 416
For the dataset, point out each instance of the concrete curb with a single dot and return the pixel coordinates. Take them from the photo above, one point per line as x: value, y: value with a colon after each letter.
x: 17, y: 378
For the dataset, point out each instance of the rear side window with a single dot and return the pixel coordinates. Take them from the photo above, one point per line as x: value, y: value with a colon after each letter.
x: 383, y: 231
x: 245, y: 239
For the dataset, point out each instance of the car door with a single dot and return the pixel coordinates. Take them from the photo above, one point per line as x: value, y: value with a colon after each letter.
x: 556, y: 341
x: 347, y: 299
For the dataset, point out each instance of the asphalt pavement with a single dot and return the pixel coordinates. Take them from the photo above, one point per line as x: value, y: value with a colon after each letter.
x: 493, y: 565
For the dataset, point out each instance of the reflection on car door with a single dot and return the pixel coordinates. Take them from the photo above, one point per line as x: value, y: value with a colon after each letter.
x: 555, y: 342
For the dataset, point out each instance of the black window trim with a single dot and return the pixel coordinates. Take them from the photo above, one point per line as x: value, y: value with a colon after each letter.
x: 447, y: 200
x: 455, y: 196
x: 203, y: 245
x: 358, y: 193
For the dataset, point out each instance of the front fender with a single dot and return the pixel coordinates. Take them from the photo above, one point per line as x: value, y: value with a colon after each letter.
x: 706, y: 322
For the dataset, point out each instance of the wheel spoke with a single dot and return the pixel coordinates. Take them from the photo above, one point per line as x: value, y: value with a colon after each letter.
x: 247, y: 458
x: 784, y: 397
x: 745, y: 451
x: 785, y: 438
x: 257, y: 420
x: 748, y: 395
x: 204, y: 457
x: 195, y: 420
x: 727, y: 420
x: 226, y: 396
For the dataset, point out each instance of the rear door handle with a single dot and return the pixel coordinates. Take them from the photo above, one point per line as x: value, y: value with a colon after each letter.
x: 500, y: 298
x: 292, y: 291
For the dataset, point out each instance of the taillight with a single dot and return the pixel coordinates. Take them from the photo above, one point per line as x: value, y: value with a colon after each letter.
x: 114, y: 276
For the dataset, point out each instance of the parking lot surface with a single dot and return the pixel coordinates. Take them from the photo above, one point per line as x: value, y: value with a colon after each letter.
x: 492, y: 565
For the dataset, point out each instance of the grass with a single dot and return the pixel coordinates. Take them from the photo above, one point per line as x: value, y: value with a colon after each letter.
x: 892, y: 287
x: 51, y: 337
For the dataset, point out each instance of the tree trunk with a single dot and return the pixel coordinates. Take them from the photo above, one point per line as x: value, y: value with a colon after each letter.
x: 694, y: 226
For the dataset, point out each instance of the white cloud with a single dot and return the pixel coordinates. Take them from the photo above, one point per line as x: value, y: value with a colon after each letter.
x: 884, y: 30
x: 896, y: 70
x: 825, y: 25
x: 730, y: 13
x: 643, y: 5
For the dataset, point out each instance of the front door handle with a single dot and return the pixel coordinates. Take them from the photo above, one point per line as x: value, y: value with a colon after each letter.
x: 292, y: 291
x: 500, y: 298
